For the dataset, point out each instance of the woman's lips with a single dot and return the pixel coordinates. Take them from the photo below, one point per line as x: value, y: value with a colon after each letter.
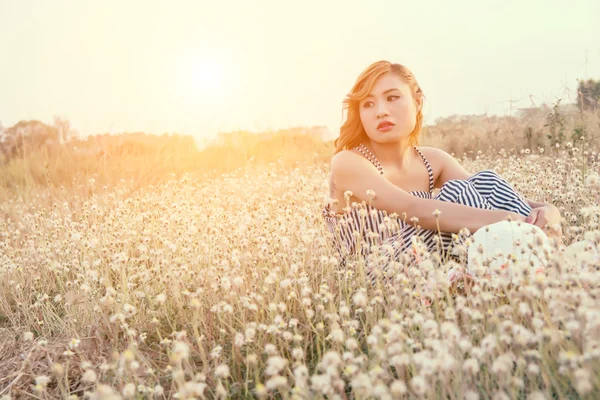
x: 385, y: 127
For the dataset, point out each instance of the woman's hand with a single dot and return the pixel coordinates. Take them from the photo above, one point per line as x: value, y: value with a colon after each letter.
x: 547, y: 218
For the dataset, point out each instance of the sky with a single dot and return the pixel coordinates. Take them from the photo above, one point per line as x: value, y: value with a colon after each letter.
x: 204, y: 67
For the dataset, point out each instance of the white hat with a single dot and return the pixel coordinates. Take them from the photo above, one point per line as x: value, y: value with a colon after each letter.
x: 506, y: 244
x: 580, y: 254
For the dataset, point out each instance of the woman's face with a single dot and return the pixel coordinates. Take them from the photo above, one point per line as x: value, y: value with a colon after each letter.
x: 390, y: 101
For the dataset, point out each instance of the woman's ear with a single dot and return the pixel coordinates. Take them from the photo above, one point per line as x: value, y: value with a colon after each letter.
x: 419, y: 104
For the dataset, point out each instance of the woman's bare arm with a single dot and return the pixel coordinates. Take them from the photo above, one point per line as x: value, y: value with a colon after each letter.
x: 356, y: 174
x: 535, y: 204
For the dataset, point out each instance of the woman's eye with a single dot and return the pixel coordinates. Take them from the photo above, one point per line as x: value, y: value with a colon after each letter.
x: 390, y: 98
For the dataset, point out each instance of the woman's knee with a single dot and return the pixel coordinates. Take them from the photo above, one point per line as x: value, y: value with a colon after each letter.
x: 454, y: 184
x: 488, y: 173
x: 451, y: 190
x: 487, y: 176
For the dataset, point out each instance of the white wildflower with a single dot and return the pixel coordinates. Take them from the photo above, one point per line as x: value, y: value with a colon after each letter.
x: 161, y: 298
x: 471, y: 395
x: 583, y: 381
x: 89, y: 376
x: 592, y: 180
x: 222, y: 371
x: 419, y: 384
x: 42, y: 380
x: 129, y: 390
x: 471, y: 366
x: 275, y: 364
x: 537, y: 395
x: 360, y: 299
x: 398, y: 388
x: 276, y: 382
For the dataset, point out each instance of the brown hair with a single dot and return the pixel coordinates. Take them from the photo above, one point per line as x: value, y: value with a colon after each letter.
x: 352, y: 132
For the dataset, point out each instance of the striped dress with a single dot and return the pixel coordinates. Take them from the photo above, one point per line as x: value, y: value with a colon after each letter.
x: 371, y: 233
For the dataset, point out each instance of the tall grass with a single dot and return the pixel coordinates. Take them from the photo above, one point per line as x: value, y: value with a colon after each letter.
x: 208, y: 274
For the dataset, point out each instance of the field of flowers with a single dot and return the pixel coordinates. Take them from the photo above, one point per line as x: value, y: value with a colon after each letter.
x: 226, y: 287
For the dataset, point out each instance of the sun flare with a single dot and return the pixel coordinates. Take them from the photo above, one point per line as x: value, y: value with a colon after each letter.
x: 201, y: 80
x: 206, y: 76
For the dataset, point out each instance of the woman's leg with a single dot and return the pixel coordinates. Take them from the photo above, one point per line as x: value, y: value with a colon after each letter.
x: 499, y: 193
x: 460, y: 192
x: 463, y: 192
x: 454, y: 191
x: 485, y: 189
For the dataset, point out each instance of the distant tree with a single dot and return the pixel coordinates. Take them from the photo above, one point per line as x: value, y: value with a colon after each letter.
x: 588, y: 95
x: 63, y: 126
x: 26, y: 136
x: 555, y: 122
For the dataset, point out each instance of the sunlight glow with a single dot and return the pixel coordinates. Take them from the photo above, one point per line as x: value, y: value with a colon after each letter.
x: 206, y: 76
x: 202, y: 80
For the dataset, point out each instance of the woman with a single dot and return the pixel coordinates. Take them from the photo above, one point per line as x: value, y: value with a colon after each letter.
x: 378, y: 173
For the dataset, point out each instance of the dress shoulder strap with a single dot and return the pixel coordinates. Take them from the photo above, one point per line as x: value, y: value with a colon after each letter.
x: 429, y: 170
x: 369, y: 156
x: 362, y: 149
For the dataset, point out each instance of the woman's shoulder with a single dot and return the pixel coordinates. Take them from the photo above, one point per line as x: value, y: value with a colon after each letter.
x: 432, y: 152
x: 435, y: 155
x: 344, y: 158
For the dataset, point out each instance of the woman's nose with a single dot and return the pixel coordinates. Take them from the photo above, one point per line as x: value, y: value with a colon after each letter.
x: 382, y: 110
